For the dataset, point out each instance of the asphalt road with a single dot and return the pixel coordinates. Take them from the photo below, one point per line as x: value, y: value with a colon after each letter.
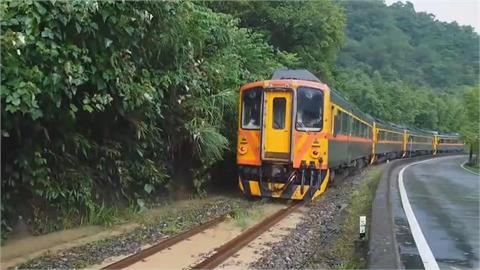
x: 445, y: 199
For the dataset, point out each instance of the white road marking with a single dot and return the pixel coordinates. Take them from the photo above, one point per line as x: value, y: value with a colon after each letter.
x: 428, y: 259
x: 468, y: 170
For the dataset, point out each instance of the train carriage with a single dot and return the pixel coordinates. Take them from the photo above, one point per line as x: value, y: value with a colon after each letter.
x: 446, y: 143
x: 352, y: 138
x: 419, y: 142
x: 389, y: 141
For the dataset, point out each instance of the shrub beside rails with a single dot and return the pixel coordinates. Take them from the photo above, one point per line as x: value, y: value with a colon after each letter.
x: 295, y: 133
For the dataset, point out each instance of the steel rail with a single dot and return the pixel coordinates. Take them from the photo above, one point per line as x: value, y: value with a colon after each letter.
x: 163, y: 244
x: 231, y: 247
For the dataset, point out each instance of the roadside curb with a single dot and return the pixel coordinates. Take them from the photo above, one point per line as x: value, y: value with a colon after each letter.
x: 383, y: 252
x: 470, y: 171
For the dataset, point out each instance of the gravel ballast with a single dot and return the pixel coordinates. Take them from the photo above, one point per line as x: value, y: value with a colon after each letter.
x: 131, y: 242
x: 320, y: 226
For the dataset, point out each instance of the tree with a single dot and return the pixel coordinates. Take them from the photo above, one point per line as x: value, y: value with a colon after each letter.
x: 471, y: 127
x: 102, y: 101
x: 311, y: 29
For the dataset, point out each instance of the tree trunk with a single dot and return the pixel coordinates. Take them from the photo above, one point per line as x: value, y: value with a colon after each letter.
x: 471, y: 154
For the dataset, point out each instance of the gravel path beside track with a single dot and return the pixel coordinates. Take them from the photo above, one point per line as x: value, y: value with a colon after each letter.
x: 320, y: 225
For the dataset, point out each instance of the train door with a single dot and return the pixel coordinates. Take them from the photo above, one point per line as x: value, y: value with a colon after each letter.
x: 277, y: 123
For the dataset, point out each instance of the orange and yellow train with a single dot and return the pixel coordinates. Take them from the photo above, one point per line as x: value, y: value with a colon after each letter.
x: 294, y: 133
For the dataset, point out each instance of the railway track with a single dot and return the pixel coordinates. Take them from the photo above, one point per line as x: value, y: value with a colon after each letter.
x: 221, y: 253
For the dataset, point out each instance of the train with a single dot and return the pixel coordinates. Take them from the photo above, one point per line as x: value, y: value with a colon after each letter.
x: 295, y: 134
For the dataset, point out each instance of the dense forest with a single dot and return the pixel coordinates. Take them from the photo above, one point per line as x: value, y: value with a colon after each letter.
x: 116, y: 102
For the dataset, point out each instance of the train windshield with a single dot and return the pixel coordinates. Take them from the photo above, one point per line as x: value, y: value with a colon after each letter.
x: 309, y: 109
x: 252, y: 101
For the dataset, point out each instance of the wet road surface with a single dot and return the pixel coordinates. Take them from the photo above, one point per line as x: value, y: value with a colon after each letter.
x: 446, y: 202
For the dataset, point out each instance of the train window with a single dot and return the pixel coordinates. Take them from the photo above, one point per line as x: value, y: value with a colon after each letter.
x: 252, y: 103
x: 279, y: 105
x: 345, y: 125
x: 338, y: 122
x: 349, y: 125
x: 309, y: 109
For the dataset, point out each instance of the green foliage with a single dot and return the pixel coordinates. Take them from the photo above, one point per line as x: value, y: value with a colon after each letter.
x: 402, y: 102
x: 470, y: 129
x: 406, y: 67
x: 101, y: 100
x: 412, y: 47
x: 311, y: 29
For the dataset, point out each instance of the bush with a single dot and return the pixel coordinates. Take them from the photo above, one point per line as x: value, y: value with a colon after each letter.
x: 107, y: 101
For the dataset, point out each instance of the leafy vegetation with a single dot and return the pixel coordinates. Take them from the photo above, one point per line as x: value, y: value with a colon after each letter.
x: 313, y: 30
x: 108, y: 101
x: 471, y: 127
x: 413, y: 47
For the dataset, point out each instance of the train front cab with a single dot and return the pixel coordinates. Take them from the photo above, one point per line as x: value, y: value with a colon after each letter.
x: 282, y: 139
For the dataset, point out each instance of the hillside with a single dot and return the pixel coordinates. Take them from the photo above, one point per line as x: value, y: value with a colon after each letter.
x: 413, y: 47
x: 407, y: 67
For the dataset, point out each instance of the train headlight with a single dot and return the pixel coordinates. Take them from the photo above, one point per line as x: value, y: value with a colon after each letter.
x: 315, y: 153
x: 243, y: 149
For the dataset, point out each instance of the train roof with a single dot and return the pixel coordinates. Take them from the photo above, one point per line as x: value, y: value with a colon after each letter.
x: 420, y: 132
x: 449, y: 135
x: 344, y: 103
x: 294, y: 74
x: 389, y: 126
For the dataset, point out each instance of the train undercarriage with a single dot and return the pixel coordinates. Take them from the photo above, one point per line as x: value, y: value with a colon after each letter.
x: 283, y: 181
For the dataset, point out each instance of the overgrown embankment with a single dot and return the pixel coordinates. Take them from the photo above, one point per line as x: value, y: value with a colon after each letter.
x: 107, y: 102
x: 344, y: 249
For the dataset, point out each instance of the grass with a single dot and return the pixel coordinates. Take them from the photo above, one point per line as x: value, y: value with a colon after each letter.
x: 360, y: 205
x: 246, y: 217
x: 473, y: 167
